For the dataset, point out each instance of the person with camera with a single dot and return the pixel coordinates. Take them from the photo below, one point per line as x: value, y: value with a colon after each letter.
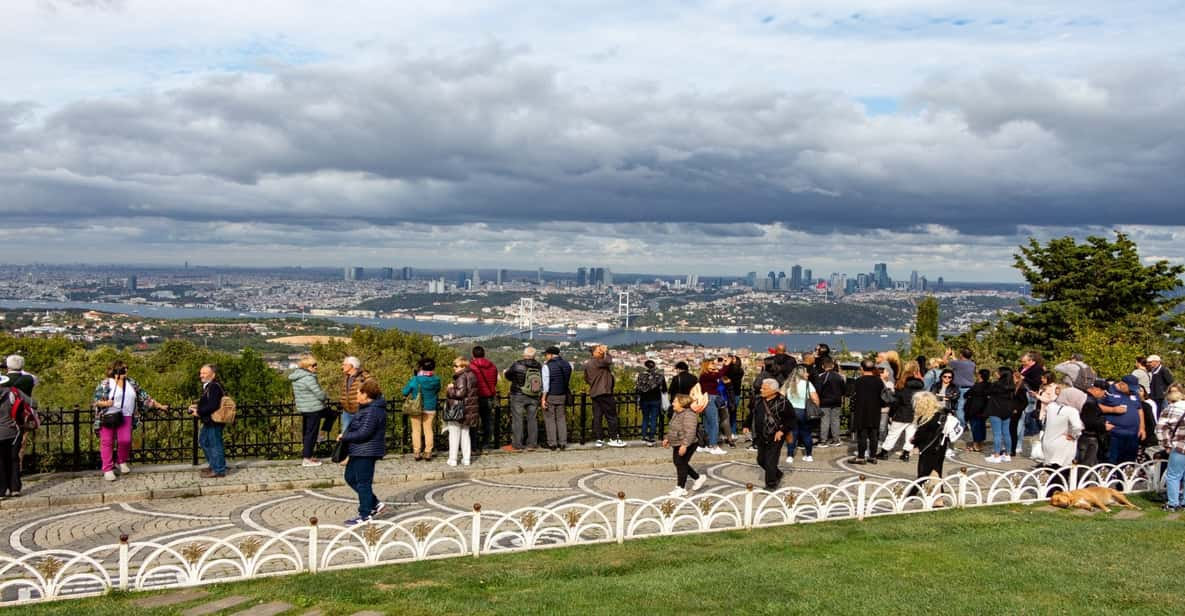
x: 210, y: 437
x: 115, y: 401
x: 948, y: 395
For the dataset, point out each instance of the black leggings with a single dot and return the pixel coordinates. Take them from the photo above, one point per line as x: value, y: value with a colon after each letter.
x: 1017, y: 416
x: 866, y: 442
x: 310, y: 426
x: 683, y: 468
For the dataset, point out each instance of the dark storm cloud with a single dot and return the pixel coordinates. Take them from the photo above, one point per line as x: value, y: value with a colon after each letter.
x: 491, y: 137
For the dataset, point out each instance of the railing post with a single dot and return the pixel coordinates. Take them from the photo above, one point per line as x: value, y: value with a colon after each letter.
x: 1073, y: 477
x: 196, y: 428
x: 476, y: 529
x: 123, y: 562
x: 77, y: 439
x: 496, y: 414
x: 861, y: 498
x: 620, y: 518
x: 748, y: 506
x: 313, y: 545
x: 962, y: 504
x: 583, y: 417
x: 1157, y: 469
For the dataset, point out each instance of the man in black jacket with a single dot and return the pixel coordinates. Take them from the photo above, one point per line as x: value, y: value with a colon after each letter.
x: 774, y: 421
x: 1159, y: 379
x: 831, y: 387
x: 210, y: 438
x: 526, y: 386
x: 1094, y: 426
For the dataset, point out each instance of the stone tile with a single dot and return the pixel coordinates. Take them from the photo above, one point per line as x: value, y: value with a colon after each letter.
x: 24, y: 502
x: 271, y: 486
x: 173, y: 598
x: 267, y: 609
x: 223, y: 488
x: 1129, y: 514
x: 176, y: 492
x: 95, y: 498
x: 368, y: 613
x: 1047, y: 509
x: 216, y: 606
x: 1083, y: 512
x: 127, y: 497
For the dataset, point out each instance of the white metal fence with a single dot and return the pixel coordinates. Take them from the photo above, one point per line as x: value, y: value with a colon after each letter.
x: 195, y: 561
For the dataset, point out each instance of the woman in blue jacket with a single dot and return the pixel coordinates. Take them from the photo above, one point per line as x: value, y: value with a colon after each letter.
x: 366, y: 444
x: 424, y: 383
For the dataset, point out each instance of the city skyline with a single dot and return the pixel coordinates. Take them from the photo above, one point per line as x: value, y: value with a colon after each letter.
x: 712, y: 137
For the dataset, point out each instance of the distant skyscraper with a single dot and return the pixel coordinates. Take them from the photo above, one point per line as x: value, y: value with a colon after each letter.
x: 807, y: 279
x: 476, y: 279
x: 387, y: 273
x: 540, y: 280
x: 406, y: 273
x: 941, y: 283
x: 581, y: 276
x: 781, y: 281
x: 607, y: 277
x: 692, y: 281
x: 914, y: 281
x: 751, y: 280
x: 503, y: 277
x: 862, y: 282
x: 130, y: 283
x: 796, y: 277
x: 354, y: 273
x: 881, y: 273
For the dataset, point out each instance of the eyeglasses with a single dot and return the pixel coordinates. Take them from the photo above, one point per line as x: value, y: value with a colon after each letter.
x: 948, y: 377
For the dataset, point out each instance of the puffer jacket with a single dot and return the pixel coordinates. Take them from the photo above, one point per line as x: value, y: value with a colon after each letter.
x: 681, y: 431
x: 366, y: 436
x: 307, y: 392
x: 487, y: 377
x: 350, y: 386
x: 902, y: 410
x: 464, y: 390
x: 429, y: 384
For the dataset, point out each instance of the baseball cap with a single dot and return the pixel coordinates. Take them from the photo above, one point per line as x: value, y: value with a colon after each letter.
x: 1100, y: 383
x: 1133, y: 383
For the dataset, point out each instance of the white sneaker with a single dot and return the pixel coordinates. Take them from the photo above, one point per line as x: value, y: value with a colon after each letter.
x: 452, y: 462
x: 109, y: 475
x: 950, y: 454
x: 993, y: 459
x: 465, y: 463
x: 617, y: 443
x: 717, y: 451
x: 599, y: 444
x: 808, y: 459
x: 699, y: 483
x: 124, y: 468
x: 677, y: 492
x: 789, y: 459
x: 311, y: 463
x: 822, y: 446
x: 1006, y: 459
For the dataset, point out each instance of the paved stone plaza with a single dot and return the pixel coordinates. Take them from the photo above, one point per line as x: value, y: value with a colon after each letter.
x: 80, y: 511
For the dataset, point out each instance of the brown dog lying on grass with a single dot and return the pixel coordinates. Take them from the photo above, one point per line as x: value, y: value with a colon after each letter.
x: 1089, y: 498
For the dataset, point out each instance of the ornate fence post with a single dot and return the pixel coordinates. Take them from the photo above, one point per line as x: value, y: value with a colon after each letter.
x: 195, y: 434
x: 620, y: 517
x: 962, y: 503
x: 1154, y: 478
x: 1073, y: 477
x: 313, y: 545
x: 123, y: 562
x: 476, y: 537
x: 861, y: 498
x: 748, y: 506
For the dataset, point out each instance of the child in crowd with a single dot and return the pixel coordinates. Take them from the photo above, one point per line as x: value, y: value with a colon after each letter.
x: 681, y: 438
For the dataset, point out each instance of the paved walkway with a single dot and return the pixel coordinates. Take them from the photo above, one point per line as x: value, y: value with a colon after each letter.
x: 83, y: 511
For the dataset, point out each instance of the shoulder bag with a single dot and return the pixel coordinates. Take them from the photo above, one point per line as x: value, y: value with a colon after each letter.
x: 114, y: 420
x: 339, y: 452
x: 813, y: 412
x: 414, y: 406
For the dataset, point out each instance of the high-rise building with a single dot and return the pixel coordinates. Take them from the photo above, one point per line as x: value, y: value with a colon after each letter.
x: 354, y: 273
x: 406, y: 273
x: 941, y: 284
x: 881, y: 273
x: 914, y: 281
x: 130, y: 283
x: 540, y: 279
x: 807, y: 279
x: 387, y: 273
x: 692, y: 281
x: 503, y: 276
x: 781, y: 281
x: 796, y: 277
x: 581, y: 276
x: 751, y: 280
x: 607, y: 277
x: 476, y: 279
x: 462, y: 279
x: 862, y: 282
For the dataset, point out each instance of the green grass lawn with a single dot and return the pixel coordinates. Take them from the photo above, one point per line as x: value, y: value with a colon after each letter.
x: 999, y: 560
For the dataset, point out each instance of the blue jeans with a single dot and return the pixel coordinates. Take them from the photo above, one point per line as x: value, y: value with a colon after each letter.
x: 360, y: 477
x: 1173, y: 477
x: 712, y: 421
x: 650, y: 410
x: 959, y: 407
x: 210, y: 440
x: 802, y: 434
x: 1123, y: 448
x: 346, y: 419
x: 978, y: 429
x: 1001, y: 439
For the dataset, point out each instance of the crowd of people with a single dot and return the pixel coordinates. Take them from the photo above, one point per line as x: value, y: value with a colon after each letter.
x: 927, y: 407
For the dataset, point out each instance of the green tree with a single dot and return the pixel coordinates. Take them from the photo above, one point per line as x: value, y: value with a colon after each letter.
x: 1092, y: 284
x: 925, y: 329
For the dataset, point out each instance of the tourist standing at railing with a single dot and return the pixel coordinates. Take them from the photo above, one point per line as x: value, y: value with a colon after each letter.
x: 598, y: 374
x: 975, y: 403
x: 1032, y: 371
x: 798, y: 389
x: 526, y: 386
x: 11, y: 436
x: 866, y: 411
x: 355, y: 376
x: 774, y: 422
x: 557, y: 390
x: 487, y: 394
x: 901, y: 414
x: 709, y: 381
x: 426, y: 385
x: 310, y: 401
x: 650, y: 387
x: 26, y: 382
x: 964, y: 369
x: 463, y: 411
x: 735, y: 374
x: 683, y: 381
x: 116, y: 401
x: 681, y: 438
x: 366, y: 444
x: 210, y: 438
x: 1159, y: 380
x: 830, y: 384
x: 886, y: 372
x: 1063, y: 426
x: 1171, y: 435
x: 999, y: 411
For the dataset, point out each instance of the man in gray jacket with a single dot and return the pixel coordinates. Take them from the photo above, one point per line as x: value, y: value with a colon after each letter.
x: 598, y: 373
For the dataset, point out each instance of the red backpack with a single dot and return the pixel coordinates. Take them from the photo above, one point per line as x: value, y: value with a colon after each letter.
x: 22, y: 410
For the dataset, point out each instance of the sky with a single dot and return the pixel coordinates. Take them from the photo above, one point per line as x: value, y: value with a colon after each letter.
x: 692, y: 136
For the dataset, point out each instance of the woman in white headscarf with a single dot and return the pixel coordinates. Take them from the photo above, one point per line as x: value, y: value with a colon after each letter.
x: 1063, y: 426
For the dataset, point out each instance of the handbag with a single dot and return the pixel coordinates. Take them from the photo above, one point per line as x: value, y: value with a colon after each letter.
x: 339, y: 452
x: 114, y: 420
x: 414, y: 406
x: 1038, y: 451
x: 455, y: 411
